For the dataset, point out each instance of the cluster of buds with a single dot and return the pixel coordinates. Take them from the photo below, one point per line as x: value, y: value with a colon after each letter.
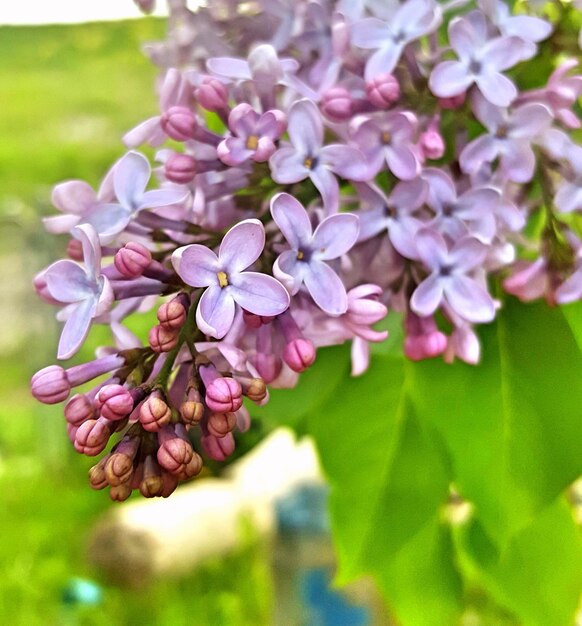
x: 313, y: 170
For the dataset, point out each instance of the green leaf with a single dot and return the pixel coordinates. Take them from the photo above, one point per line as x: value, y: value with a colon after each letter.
x: 539, y: 576
x: 511, y: 424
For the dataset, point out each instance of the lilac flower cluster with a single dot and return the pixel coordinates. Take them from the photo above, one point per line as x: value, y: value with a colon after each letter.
x: 318, y: 163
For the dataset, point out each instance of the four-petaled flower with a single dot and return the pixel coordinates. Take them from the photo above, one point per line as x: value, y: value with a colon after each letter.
x: 448, y: 280
x: 227, y: 284
x: 85, y: 291
x: 305, y: 263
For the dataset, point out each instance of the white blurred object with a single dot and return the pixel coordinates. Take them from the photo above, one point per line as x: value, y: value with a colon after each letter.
x: 151, y: 537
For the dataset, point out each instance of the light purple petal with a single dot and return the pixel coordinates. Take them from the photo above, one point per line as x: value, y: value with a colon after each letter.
x: 530, y: 120
x: 75, y: 329
x: 288, y: 166
x: 503, y: 53
x: 477, y: 203
x: 148, y: 131
x: 569, y: 198
x: 450, y: 78
x: 73, y: 196
x: 527, y: 27
x: 468, y: 299
x: 326, y: 288
x: 491, y: 116
x: 161, y: 197
x: 402, y: 234
x: 260, y: 294
x: 171, y: 89
x: 402, y: 162
x: 130, y: 179
x: 272, y: 124
x: 91, y: 248
x: 441, y: 189
x: 292, y: 220
x: 289, y: 271
x: 196, y: 265
x: 242, y: 120
x: 416, y: 18
x: 347, y: 162
x: 334, y: 236
x: 427, y: 296
x: 497, y: 88
x: 242, y: 246
x: 370, y: 33
x: 518, y: 162
x: 467, y: 254
x: 372, y: 222
x: 233, y: 151
x: 215, y: 313
x: 384, y: 60
x: 360, y: 353
x: 57, y: 224
x: 432, y: 248
x: 463, y: 37
x: 484, y: 149
x: 327, y: 186
x: 108, y: 220
x: 571, y: 289
x: 229, y: 67
x: 67, y: 282
x: 306, y: 128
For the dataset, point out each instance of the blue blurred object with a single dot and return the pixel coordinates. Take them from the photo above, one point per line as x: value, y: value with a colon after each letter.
x: 327, y: 607
x: 304, y: 510
x: 80, y: 591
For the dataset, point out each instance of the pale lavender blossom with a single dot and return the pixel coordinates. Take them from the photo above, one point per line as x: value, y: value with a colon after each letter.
x: 448, y: 280
x: 526, y: 27
x: 394, y: 214
x: 175, y: 91
x: 509, y: 139
x: 569, y: 194
x: 306, y: 262
x: 253, y: 135
x: 307, y: 157
x: 412, y: 20
x: 390, y: 139
x: 227, y: 284
x: 481, y: 62
x: 85, y: 291
x: 130, y: 178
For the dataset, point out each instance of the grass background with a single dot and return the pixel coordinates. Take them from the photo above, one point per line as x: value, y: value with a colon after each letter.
x: 67, y: 94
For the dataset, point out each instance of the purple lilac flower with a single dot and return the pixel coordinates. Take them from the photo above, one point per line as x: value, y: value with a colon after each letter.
x: 227, y: 284
x: 254, y: 135
x: 393, y: 214
x: 481, y: 62
x: 509, y: 138
x: 526, y: 27
x: 448, y: 281
x: 412, y: 20
x: 307, y: 157
x: 569, y: 194
x: 85, y: 291
x: 389, y: 139
x: 306, y: 261
x: 130, y: 179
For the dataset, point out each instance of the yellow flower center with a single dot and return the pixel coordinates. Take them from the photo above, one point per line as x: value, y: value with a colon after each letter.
x: 252, y: 142
x: 308, y: 163
x: 222, y: 279
x: 386, y: 137
x: 300, y: 255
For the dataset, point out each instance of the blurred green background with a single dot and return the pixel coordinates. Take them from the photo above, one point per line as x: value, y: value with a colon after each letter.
x: 67, y: 94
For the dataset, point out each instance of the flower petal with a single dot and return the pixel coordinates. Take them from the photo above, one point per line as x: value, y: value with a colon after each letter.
x: 75, y: 329
x: 229, y: 67
x: 215, y: 313
x: 91, y: 248
x: 432, y: 248
x: 73, y: 196
x: 335, y: 235
x: 108, y: 220
x: 530, y: 120
x: 427, y: 296
x: 258, y: 293
x: 468, y: 299
x: 327, y: 186
x: 326, y: 288
x: 370, y: 33
x: 196, y: 265
x: 292, y: 220
x: 289, y: 271
x: 241, y: 246
x: 497, y: 88
x: 306, y: 128
x: 130, y: 179
x: 384, y: 60
x: 67, y: 281
x: 450, y: 78
x: 288, y: 166
x: 467, y: 253
x: 161, y: 197
x: 347, y: 162
x: 402, y: 162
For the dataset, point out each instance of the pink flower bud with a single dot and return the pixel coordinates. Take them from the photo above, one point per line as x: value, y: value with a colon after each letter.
x: 268, y: 365
x: 119, y: 467
x: 423, y: 340
x: 383, y: 90
x: 132, y: 260
x: 299, y: 354
x: 115, y: 401
x: 337, y: 104
x: 97, y: 478
x: 120, y: 493
x: 431, y: 141
x: 40, y: 286
x: 223, y: 395
x: 162, y: 339
x: 174, y: 452
x: 455, y: 102
x: 179, y: 123
x: 154, y: 413
x: 256, y: 390
x: 180, y: 168
x: 193, y: 468
x: 50, y: 385
x: 218, y: 448
x: 172, y: 315
x: 220, y: 424
x: 212, y: 94
x: 72, y: 432
x: 78, y: 409
x: 256, y: 321
x: 75, y: 250
x: 92, y: 436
